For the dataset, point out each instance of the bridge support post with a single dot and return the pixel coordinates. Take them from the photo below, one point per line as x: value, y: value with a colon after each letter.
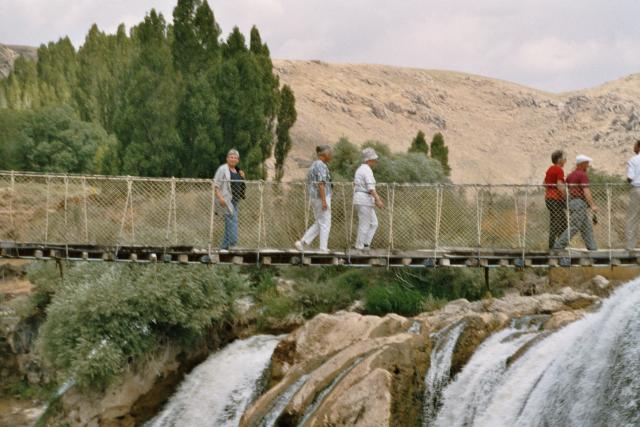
x: 486, y: 279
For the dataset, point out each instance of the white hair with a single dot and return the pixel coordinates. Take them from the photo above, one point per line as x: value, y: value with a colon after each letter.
x: 232, y: 152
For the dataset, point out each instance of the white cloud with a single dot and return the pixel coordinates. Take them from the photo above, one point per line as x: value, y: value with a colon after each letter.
x: 550, y: 44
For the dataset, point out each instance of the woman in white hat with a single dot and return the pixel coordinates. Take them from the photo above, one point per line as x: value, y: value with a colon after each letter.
x: 366, y: 198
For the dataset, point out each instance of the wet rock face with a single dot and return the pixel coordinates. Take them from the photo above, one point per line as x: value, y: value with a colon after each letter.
x: 370, y: 371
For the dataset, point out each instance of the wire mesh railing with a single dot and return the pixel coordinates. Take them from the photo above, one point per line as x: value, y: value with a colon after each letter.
x: 164, y: 212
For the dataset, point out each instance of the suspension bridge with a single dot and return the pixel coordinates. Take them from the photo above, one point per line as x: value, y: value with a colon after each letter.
x: 136, y: 219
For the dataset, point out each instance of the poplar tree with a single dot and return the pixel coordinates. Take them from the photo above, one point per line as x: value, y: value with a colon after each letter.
x: 440, y: 152
x: 419, y: 144
x: 196, y: 55
x: 286, y: 118
x: 146, y: 127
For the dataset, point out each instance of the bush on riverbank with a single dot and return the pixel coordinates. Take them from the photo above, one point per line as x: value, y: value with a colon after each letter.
x: 103, y: 317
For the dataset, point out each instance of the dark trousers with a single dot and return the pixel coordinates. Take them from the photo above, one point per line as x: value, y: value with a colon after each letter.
x: 557, y: 219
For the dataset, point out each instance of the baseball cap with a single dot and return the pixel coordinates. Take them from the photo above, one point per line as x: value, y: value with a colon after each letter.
x: 581, y: 158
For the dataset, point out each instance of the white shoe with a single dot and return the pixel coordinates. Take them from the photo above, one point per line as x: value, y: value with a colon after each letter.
x: 322, y: 251
x: 299, y: 245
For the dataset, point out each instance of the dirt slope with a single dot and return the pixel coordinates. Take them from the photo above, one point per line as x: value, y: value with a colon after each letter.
x: 498, y: 132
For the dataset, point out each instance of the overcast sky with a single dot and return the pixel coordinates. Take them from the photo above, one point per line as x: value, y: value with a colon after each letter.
x: 555, y: 45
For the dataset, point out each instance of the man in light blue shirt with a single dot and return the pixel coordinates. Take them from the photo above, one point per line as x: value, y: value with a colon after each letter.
x: 633, y: 214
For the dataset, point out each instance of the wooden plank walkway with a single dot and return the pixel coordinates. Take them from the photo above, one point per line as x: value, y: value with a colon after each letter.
x: 445, y: 257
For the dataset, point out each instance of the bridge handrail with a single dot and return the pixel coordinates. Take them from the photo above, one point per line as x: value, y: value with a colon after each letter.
x: 128, y: 210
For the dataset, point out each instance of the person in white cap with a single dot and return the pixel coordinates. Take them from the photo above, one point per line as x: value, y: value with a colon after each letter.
x: 580, y: 200
x: 366, y: 198
x: 633, y: 214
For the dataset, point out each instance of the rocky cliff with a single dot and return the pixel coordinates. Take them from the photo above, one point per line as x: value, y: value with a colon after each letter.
x: 348, y: 369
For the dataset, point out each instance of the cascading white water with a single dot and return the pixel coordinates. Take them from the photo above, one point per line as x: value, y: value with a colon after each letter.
x: 217, y: 391
x: 439, y: 370
x: 586, y: 374
x: 270, y: 418
x: 469, y: 394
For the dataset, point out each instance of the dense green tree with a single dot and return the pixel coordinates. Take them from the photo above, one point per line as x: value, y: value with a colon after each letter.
x: 440, y: 152
x: 195, y: 44
x: 400, y: 168
x: 242, y: 105
x: 12, y: 137
x: 419, y: 144
x: 146, y: 122
x: 346, y: 159
x: 22, y: 89
x: 102, y: 62
x: 269, y: 89
x: 177, y: 97
x: 287, y: 116
x: 197, y: 55
x: 54, y: 139
x: 57, y: 72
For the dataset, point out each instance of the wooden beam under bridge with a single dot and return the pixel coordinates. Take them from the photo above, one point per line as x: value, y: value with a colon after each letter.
x: 444, y: 257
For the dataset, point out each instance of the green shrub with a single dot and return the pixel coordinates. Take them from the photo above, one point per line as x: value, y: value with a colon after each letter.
x: 382, y: 299
x: 103, y: 317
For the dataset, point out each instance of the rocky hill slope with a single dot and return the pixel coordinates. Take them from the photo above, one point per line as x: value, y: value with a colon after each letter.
x: 498, y: 132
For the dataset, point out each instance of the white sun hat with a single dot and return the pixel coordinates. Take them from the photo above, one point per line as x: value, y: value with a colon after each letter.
x: 369, y: 154
x: 581, y: 158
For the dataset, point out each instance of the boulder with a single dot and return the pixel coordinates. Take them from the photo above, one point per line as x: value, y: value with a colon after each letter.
x: 367, y: 404
x: 327, y: 334
x: 563, y: 318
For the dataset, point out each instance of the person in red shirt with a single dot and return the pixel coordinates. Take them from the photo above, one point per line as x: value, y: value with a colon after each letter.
x: 555, y: 199
x: 580, y: 200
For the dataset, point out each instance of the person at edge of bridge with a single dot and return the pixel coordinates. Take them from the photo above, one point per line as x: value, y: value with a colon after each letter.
x: 366, y: 199
x: 580, y: 200
x: 319, y: 182
x: 555, y: 199
x: 229, y: 189
x: 633, y: 213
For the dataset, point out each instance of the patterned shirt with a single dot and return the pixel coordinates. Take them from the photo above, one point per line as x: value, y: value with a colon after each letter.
x: 319, y: 172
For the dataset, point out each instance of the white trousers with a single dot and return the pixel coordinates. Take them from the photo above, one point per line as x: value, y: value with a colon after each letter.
x: 321, y: 227
x: 367, y: 225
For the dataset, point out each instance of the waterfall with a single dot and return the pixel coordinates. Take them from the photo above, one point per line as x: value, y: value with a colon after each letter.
x: 282, y: 401
x: 439, y: 370
x: 586, y: 374
x: 217, y: 391
x: 468, y: 395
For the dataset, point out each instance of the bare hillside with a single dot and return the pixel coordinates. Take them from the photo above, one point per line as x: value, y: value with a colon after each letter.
x: 498, y: 132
